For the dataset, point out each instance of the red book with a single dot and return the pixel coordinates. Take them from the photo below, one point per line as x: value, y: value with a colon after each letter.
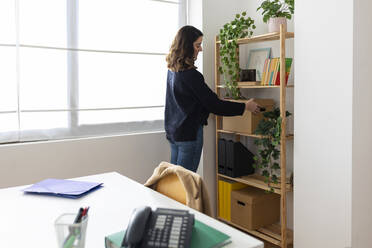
x: 288, y: 64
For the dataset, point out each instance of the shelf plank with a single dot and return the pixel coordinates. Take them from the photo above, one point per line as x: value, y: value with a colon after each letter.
x: 263, y: 37
x: 257, y: 181
x: 289, y: 136
x: 242, y: 134
x: 254, y: 85
x: 249, y: 83
x: 274, y: 231
x: 264, y: 237
x: 270, y: 233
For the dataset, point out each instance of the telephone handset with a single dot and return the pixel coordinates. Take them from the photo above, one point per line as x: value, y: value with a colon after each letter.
x: 160, y: 228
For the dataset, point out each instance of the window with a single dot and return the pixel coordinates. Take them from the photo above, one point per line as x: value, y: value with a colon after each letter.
x: 84, y: 67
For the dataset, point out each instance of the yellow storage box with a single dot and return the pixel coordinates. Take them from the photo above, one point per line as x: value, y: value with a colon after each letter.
x: 225, y: 187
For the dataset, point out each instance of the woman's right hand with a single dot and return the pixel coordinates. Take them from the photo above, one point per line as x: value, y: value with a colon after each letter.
x: 252, y: 106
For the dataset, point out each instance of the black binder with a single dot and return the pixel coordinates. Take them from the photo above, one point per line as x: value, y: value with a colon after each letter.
x: 239, y: 160
x: 229, y: 158
x: 222, y: 156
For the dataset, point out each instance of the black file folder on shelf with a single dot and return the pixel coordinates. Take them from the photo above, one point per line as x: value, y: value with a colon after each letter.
x: 222, y: 156
x: 235, y: 159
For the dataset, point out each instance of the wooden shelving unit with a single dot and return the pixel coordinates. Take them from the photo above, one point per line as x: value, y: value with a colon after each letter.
x: 276, y: 234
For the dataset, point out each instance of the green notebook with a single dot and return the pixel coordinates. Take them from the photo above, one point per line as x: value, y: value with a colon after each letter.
x: 202, y: 236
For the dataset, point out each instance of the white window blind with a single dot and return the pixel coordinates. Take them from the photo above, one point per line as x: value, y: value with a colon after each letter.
x: 74, y: 68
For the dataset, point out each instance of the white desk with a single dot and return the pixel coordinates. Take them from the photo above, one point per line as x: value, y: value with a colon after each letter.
x: 28, y: 220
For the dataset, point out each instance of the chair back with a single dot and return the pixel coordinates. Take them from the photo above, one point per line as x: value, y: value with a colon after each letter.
x: 171, y: 186
x: 181, y: 185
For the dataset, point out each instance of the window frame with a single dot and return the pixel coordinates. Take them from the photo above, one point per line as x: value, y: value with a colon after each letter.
x: 73, y: 127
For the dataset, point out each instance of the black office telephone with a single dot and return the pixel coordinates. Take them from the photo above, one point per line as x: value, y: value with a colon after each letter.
x: 160, y: 228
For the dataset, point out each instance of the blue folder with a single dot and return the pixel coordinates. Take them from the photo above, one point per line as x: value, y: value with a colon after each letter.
x: 63, y: 188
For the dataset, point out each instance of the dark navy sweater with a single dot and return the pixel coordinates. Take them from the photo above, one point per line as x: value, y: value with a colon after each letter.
x: 189, y: 101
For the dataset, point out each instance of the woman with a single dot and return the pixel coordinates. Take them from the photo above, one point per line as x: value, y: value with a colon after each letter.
x: 189, y: 100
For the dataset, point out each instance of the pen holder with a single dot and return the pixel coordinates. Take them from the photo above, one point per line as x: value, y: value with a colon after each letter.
x: 70, y: 234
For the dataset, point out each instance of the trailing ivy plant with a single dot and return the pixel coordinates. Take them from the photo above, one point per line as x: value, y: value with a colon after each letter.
x: 277, y: 8
x: 268, y: 146
x: 240, y: 27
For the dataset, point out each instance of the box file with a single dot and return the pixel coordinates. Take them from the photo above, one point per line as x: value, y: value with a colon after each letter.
x: 239, y: 160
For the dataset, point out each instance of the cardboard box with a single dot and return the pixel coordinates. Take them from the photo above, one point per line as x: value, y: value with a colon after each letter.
x: 253, y: 208
x: 247, y: 122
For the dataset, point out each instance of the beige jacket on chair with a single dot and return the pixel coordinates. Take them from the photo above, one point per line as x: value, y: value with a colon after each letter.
x: 196, y: 191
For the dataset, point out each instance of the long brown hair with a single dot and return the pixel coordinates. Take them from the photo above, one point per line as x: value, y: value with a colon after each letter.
x: 181, y: 53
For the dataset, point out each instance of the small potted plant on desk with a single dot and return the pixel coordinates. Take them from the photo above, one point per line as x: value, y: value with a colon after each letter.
x: 268, y: 152
x: 276, y: 12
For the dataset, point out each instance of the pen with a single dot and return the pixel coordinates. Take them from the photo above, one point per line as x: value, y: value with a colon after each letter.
x: 71, y: 237
x: 85, y: 213
x: 79, y: 215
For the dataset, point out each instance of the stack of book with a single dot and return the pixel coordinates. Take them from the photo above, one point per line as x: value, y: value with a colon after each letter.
x: 271, y: 71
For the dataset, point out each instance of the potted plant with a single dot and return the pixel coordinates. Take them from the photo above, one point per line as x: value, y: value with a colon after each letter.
x: 240, y: 27
x: 268, y: 146
x: 276, y: 12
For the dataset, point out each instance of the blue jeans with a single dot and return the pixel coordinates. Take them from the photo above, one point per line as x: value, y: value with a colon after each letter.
x: 187, y: 153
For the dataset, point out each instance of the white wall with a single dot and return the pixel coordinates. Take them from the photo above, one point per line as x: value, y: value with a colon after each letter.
x: 323, y: 123
x: 135, y: 156
x: 362, y: 123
